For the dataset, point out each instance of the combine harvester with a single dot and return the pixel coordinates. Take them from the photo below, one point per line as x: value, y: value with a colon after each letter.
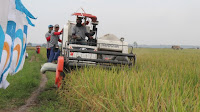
x: 106, y: 51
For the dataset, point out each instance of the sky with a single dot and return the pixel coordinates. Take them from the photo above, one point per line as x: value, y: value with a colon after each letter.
x: 149, y: 22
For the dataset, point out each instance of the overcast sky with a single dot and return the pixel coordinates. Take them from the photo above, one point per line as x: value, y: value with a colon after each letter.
x: 151, y: 22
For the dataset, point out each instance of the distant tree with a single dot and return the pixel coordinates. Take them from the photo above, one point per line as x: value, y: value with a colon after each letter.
x: 29, y: 44
x: 135, y: 44
x: 44, y: 45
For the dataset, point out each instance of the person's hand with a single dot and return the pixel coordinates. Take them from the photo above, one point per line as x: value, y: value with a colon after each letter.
x: 61, y: 32
x: 60, y: 40
x: 91, y: 37
x: 74, y: 36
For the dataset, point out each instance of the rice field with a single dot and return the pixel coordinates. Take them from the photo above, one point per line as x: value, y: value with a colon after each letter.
x: 162, y: 80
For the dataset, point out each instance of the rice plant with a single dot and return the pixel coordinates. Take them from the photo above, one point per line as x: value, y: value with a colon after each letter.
x: 162, y: 80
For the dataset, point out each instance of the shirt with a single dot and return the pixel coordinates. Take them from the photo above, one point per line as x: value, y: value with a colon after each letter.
x: 54, y: 39
x: 79, y: 31
x: 47, y: 35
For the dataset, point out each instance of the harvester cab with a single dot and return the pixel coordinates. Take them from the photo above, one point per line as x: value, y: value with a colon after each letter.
x: 97, y: 51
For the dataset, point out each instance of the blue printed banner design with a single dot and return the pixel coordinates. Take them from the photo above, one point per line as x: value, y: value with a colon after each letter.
x: 13, y: 39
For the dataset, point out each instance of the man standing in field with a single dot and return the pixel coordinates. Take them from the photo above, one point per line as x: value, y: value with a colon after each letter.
x: 53, y: 44
x: 48, y: 36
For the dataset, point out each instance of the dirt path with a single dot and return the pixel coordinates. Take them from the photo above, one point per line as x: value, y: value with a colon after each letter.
x: 33, y: 98
x: 32, y: 58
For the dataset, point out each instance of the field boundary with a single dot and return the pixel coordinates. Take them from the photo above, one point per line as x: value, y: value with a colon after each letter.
x: 32, y: 100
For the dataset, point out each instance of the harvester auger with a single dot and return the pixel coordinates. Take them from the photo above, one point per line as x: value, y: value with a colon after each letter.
x: 106, y: 51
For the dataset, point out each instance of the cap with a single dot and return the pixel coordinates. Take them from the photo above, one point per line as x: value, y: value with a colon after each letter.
x: 79, y: 18
x: 56, y: 25
x: 50, y: 26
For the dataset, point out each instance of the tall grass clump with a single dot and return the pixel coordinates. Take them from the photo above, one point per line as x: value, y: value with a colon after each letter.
x: 162, y: 80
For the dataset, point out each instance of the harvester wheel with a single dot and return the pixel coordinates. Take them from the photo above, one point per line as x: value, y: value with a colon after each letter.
x: 59, y: 71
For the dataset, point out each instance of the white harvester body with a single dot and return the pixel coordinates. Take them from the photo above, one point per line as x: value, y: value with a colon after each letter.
x: 108, y: 43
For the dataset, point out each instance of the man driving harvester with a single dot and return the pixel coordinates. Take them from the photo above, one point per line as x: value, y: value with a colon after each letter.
x: 79, y: 32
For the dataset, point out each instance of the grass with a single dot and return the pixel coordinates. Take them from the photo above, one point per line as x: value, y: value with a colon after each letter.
x: 48, y: 99
x: 163, y: 80
x: 23, y: 83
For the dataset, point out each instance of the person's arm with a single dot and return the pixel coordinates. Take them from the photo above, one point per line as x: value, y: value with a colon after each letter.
x: 59, y: 40
x: 88, y: 34
x: 73, y: 32
x: 57, y: 33
x: 92, y: 33
x: 48, y: 38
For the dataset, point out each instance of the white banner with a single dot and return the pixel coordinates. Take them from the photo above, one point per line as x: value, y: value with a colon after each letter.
x: 4, y: 5
x: 13, y: 41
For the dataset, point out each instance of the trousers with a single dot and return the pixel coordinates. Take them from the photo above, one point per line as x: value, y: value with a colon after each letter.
x: 48, y: 52
x: 54, y: 55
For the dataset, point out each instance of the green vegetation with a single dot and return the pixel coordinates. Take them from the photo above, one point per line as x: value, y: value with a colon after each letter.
x: 23, y: 83
x: 48, y: 99
x: 163, y: 80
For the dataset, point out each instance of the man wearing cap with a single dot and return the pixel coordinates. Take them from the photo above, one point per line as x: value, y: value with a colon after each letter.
x: 53, y: 44
x: 48, y: 36
x: 79, y: 32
